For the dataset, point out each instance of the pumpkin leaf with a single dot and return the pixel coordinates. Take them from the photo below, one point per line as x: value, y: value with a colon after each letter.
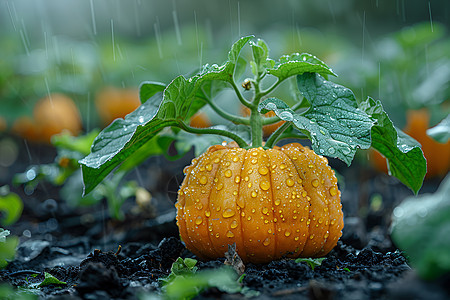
x: 177, y: 103
x: 420, y: 227
x: 312, y: 262
x: 404, y: 155
x: 333, y: 122
x: 50, y: 279
x: 148, y: 89
x: 297, y: 64
x: 11, y: 207
x: 441, y: 132
x: 8, y: 246
x: 261, y: 60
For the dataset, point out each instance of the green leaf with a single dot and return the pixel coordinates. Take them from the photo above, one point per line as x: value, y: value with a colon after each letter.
x: 50, y: 279
x: 420, y: 227
x: 179, y: 102
x: 297, y: 64
x: 148, y: 89
x: 11, y: 207
x: 441, y: 132
x: 261, y: 60
x: 333, y: 122
x: 8, y: 246
x: 312, y: 262
x: 80, y: 144
x: 404, y: 156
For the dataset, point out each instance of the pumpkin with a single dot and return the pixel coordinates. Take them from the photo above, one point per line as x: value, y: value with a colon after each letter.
x: 267, y: 129
x: 436, y: 154
x: 274, y: 203
x: 51, y: 115
x: 113, y: 103
x: 200, y: 120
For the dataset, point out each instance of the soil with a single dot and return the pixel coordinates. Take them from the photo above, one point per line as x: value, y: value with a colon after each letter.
x: 102, y: 258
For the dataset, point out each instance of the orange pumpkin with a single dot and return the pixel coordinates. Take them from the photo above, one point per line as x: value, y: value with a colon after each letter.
x: 267, y: 129
x: 113, y: 103
x: 280, y: 202
x: 200, y: 120
x: 51, y: 115
x: 436, y: 154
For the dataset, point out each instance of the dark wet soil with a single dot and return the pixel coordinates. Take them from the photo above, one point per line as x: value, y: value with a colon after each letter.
x: 102, y: 258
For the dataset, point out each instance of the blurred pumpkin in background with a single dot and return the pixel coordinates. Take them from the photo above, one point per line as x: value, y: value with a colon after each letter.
x: 267, y: 129
x: 113, y: 103
x: 200, y: 120
x: 3, y: 124
x: 436, y: 154
x: 51, y: 115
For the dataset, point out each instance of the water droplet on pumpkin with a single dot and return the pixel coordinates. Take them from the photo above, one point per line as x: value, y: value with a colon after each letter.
x: 234, y: 224
x: 219, y: 186
x: 326, y: 235
x: 254, y: 194
x: 227, y: 173
x: 240, y: 202
x: 264, y: 185
x: 208, y: 167
x: 289, y: 182
x: 282, y: 166
x: 228, y: 213
x: 199, y: 206
x: 230, y: 234
x: 235, y: 159
x: 249, y: 185
x: 315, y: 183
x: 263, y: 170
x: 237, y: 179
x: 311, y: 236
x: 217, y: 235
x: 287, y: 233
x: 198, y: 220
x: 277, y: 201
x: 333, y: 191
x: 333, y: 221
x: 266, y: 242
x: 265, y: 210
x: 207, y: 213
x: 203, y: 179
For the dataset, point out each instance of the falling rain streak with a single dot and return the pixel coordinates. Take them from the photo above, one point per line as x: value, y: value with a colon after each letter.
x: 94, y: 26
x: 158, y: 37
x: 112, y: 39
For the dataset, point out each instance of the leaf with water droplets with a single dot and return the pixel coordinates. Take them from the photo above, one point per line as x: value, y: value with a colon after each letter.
x: 297, y: 64
x: 333, y: 122
x: 404, y: 156
x: 180, y: 100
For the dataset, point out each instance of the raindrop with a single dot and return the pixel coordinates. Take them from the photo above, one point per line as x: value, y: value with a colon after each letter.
x: 254, y: 194
x: 285, y: 115
x: 331, y: 150
x: 228, y: 213
x: 333, y: 191
x: 207, y: 213
x: 264, y: 185
x: 203, y: 180
x: 290, y: 182
x: 263, y: 170
x: 141, y: 119
x: 228, y: 173
x: 287, y: 233
x: 265, y: 210
x: 315, y: 183
x: 266, y: 242
x: 277, y: 202
x: 237, y: 179
x: 234, y: 224
x: 94, y: 27
x: 271, y: 106
x: 230, y: 234
x: 346, y: 150
x: 198, y: 220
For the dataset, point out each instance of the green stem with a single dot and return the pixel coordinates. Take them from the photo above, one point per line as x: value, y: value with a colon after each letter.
x: 239, y: 95
x: 271, y: 141
x: 240, y: 141
x: 226, y: 115
x: 256, y: 117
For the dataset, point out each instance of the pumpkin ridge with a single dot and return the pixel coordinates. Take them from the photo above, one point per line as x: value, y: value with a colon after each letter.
x: 213, y: 186
x: 182, y: 203
x: 300, y: 251
x: 243, y: 251
x: 274, y: 255
x: 328, y: 201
